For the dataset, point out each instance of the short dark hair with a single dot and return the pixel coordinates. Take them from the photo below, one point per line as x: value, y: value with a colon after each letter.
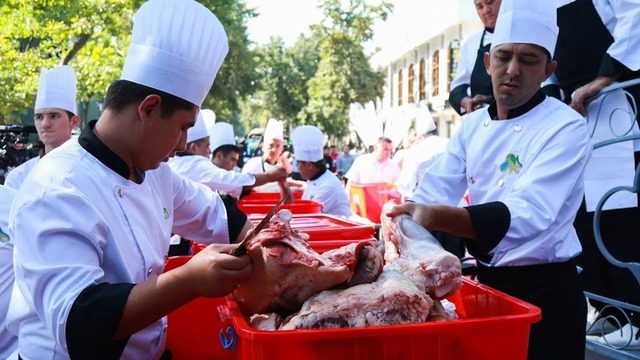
x: 122, y: 93
x: 226, y: 149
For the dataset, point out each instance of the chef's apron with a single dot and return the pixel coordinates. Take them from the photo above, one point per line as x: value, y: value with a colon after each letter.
x: 480, y: 80
x: 580, y: 45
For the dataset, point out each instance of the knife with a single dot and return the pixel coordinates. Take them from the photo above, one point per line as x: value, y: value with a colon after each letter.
x: 242, y: 248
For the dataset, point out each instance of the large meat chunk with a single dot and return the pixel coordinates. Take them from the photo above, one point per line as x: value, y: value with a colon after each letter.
x: 287, y: 271
x: 426, y: 262
x: 392, y: 299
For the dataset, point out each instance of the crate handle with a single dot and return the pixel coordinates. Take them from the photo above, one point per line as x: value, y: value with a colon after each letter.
x: 228, y: 338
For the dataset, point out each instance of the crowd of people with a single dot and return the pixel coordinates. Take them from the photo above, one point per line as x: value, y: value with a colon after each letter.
x: 85, y: 228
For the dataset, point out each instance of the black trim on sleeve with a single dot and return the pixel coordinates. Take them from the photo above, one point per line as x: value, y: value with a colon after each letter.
x: 93, y: 320
x: 456, y: 95
x: 490, y: 222
x: 612, y: 67
x: 235, y: 217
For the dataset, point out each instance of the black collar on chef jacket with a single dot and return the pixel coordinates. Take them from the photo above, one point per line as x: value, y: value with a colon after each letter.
x: 94, y: 146
x: 520, y: 110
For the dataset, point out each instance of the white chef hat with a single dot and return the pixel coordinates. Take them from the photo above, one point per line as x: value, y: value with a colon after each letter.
x: 57, y: 89
x: 424, y: 122
x: 198, y: 130
x: 221, y: 134
x: 527, y: 21
x: 209, y: 119
x: 274, y: 130
x: 177, y: 46
x: 308, y: 141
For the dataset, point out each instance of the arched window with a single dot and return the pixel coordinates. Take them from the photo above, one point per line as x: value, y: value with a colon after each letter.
x: 410, y: 87
x: 400, y: 87
x: 422, y: 82
x: 435, y: 72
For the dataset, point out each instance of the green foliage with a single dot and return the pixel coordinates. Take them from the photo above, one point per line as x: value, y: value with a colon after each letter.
x: 92, y: 36
x: 316, y: 80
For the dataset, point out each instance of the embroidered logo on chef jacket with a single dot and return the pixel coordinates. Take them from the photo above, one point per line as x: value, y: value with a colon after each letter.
x: 512, y: 164
x: 4, y: 238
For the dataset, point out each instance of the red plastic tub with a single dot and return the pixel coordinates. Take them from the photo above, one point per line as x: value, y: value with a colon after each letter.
x: 269, y: 196
x: 496, y: 327
x: 193, y: 330
x: 367, y: 199
x: 250, y: 207
x: 327, y: 232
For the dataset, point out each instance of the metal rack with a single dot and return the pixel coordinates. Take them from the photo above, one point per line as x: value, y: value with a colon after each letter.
x: 614, y: 305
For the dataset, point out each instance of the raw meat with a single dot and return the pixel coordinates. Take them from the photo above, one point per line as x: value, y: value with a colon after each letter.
x: 429, y: 265
x: 287, y: 271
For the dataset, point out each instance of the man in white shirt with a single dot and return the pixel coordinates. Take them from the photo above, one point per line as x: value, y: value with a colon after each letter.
x: 8, y: 341
x: 323, y: 185
x: 55, y: 116
x: 273, y: 155
x: 194, y: 163
x: 509, y: 156
x: 94, y: 218
x: 376, y: 167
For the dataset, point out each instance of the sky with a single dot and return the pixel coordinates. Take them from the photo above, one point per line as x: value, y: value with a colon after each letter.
x: 409, y: 24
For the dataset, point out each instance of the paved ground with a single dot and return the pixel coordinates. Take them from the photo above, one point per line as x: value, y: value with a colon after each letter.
x: 590, y: 355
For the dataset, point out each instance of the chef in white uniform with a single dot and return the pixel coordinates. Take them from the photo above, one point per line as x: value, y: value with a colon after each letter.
x: 55, y: 116
x: 93, y: 219
x: 8, y: 341
x: 194, y: 164
x: 323, y: 186
x: 523, y: 160
x: 273, y: 148
x: 598, y: 46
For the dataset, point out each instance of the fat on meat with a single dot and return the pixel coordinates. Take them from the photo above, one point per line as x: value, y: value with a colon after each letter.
x: 417, y: 276
x: 430, y: 266
x: 391, y: 300
x: 287, y: 271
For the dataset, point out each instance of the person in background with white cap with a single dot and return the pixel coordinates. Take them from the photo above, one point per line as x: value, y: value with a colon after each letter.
x: 323, y: 185
x: 273, y: 151
x: 205, y: 171
x: 471, y: 87
x: 55, y: 116
x: 523, y: 160
x: 93, y: 220
x: 425, y: 148
x: 599, y: 46
x: 8, y: 341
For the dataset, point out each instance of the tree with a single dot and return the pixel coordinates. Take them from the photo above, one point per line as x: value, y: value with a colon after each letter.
x: 93, y: 36
x: 344, y: 73
x: 316, y: 80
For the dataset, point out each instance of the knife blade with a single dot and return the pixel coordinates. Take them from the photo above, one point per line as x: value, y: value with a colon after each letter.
x: 242, y: 248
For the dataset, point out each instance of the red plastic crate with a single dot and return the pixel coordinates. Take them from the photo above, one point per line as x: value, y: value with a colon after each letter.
x: 367, y: 199
x: 326, y: 231
x: 496, y: 327
x: 269, y: 196
x: 250, y: 207
x: 193, y: 330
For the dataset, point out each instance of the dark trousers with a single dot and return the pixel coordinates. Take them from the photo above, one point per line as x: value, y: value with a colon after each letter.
x: 556, y: 290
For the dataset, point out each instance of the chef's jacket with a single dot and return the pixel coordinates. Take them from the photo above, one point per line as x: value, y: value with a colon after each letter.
x: 597, y: 38
x: 8, y: 341
x: 16, y: 177
x: 524, y: 176
x: 257, y: 165
x: 201, y: 169
x: 415, y: 158
x: 85, y: 234
x: 328, y: 190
